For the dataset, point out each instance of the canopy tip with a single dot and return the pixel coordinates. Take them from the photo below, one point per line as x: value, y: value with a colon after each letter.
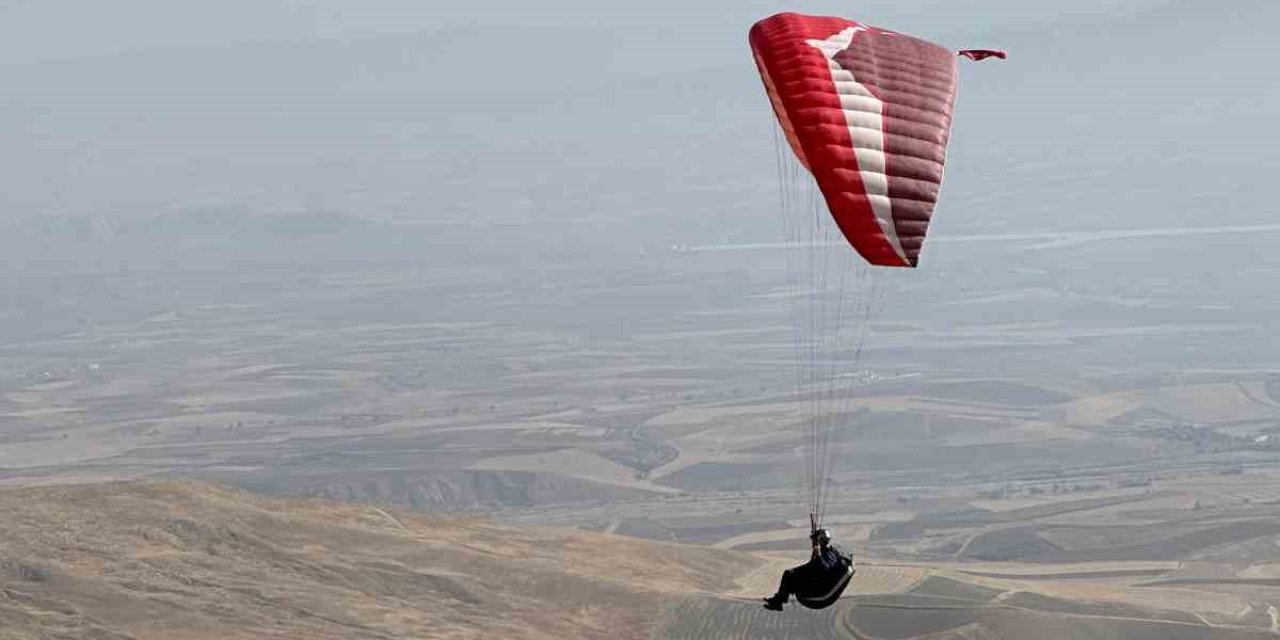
x: 982, y: 54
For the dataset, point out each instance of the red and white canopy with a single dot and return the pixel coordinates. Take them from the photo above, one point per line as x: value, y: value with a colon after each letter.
x: 868, y: 112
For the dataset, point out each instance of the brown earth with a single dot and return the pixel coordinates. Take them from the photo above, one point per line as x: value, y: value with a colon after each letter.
x: 179, y: 560
x: 185, y: 560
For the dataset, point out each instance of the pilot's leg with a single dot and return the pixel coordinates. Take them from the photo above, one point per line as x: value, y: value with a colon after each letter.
x: 786, y: 587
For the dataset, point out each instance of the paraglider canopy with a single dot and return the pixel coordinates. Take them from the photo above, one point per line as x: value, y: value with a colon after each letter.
x: 868, y: 112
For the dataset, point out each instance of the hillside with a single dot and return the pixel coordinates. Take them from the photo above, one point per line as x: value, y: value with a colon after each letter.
x: 179, y: 560
x: 182, y: 560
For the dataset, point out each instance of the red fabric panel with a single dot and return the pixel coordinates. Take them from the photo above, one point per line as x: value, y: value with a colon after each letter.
x: 916, y: 82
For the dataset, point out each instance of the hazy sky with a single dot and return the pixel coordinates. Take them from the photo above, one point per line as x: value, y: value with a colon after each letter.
x: 551, y: 129
x: 42, y: 29
x: 486, y: 109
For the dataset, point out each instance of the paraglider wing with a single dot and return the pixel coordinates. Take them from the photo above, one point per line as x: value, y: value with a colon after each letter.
x: 867, y: 111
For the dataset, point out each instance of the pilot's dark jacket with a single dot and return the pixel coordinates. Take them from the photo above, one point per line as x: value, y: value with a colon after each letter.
x: 817, y: 576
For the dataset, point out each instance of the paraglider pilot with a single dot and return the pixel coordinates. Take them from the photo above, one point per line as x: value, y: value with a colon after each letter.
x: 818, y: 582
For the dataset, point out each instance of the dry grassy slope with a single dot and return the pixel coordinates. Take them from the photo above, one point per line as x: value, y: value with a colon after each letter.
x: 177, y: 560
